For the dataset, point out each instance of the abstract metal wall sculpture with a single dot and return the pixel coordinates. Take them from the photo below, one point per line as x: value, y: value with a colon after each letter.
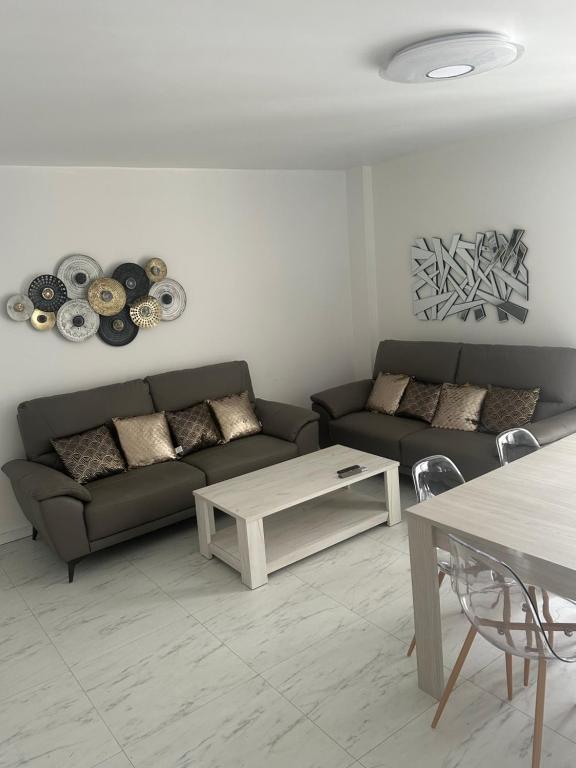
x: 465, y: 276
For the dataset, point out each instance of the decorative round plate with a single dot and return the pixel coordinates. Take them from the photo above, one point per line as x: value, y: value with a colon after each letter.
x: 43, y: 321
x: 77, y: 321
x: 134, y: 279
x: 118, y: 330
x: 171, y: 296
x: 47, y: 293
x: 77, y: 272
x: 146, y: 312
x: 19, y: 307
x: 156, y: 270
x: 106, y: 296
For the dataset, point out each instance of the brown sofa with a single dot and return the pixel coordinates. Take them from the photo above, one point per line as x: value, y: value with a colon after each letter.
x: 343, y: 418
x: 76, y: 519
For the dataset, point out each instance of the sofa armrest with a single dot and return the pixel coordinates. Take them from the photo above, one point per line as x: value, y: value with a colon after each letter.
x: 554, y: 427
x: 282, y: 420
x: 41, y: 483
x: 344, y: 399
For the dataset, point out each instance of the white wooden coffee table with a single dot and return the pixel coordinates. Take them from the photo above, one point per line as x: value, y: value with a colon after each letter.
x: 292, y: 510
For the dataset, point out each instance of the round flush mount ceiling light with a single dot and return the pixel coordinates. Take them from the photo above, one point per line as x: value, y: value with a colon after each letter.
x: 451, y: 57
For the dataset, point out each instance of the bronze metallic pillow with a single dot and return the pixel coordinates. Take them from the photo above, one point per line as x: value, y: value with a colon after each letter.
x: 387, y: 393
x: 235, y: 416
x: 459, y: 407
x: 145, y: 440
x: 193, y: 428
x: 90, y: 455
x: 420, y: 400
x: 508, y: 408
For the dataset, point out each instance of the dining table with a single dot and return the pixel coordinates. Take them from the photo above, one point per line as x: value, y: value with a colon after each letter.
x: 523, y: 513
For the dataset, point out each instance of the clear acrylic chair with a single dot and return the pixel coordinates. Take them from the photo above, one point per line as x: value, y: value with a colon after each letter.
x: 514, y: 444
x: 432, y: 476
x: 522, y: 621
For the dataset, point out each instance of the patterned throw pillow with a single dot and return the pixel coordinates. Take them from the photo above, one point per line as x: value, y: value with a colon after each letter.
x: 90, y: 455
x: 235, y: 416
x: 387, y: 393
x: 420, y: 400
x: 194, y: 428
x: 459, y: 407
x: 508, y: 408
x: 145, y: 440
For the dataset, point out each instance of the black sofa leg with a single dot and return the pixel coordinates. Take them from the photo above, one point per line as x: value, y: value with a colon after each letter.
x: 71, y: 567
x: 34, y: 533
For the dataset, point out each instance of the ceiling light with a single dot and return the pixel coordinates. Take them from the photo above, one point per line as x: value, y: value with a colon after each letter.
x: 450, y: 57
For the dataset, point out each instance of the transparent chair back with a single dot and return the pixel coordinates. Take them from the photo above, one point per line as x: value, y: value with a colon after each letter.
x: 432, y: 476
x: 524, y: 621
x: 435, y: 475
x: 514, y: 444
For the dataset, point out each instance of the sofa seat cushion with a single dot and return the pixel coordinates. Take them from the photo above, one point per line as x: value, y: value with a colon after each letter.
x: 374, y: 432
x: 240, y: 456
x: 139, y: 496
x: 474, y: 453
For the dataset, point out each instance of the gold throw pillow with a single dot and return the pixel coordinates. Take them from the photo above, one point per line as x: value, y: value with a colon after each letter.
x: 459, y: 407
x: 145, y: 440
x: 387, y: 393
x: 235, y: 416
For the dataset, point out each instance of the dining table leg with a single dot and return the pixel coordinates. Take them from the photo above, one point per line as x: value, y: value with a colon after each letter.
x: 426, y: 600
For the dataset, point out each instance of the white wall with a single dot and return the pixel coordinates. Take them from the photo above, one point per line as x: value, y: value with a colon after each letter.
x: 526, y: 180
x: 262, y: 255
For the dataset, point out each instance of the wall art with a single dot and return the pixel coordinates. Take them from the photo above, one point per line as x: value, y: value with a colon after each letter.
x: 467, y: 277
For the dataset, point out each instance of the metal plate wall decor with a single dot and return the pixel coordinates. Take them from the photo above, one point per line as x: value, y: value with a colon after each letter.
x: 19, y: 307
x: 77, y: 321
x: 466, y: 276
x: 48, y: 293
x: 172, y: 298
x: 43, y: 321
x: 156, y: 270
x: 134, y: 279
x: 106, y: 296
x: 146, y: 312
x: 77, y: 272
x: 118, y: 330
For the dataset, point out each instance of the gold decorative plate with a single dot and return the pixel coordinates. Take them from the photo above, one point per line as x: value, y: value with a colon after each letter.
x: 106, y: 296
x: 156, y: 270
x: 43, y: 321
x: 146, y: 312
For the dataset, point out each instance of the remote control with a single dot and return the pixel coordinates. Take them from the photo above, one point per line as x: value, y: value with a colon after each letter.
x: 355, y: 469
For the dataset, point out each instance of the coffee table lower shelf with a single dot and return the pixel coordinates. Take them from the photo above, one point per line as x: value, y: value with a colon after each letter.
x: 301, y: 531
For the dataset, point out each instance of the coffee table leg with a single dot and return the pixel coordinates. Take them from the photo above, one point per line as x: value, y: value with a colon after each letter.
x: 392, y: 491
x: 252, y: 552
x: 206, y: 525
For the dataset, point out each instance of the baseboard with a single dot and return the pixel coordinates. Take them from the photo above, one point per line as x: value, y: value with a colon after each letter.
x: 15, y: 534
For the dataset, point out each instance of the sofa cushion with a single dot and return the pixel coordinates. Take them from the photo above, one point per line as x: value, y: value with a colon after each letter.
x: 136, y: 497
x: 374, y: 432
x: 387, y: 393
x: 434, y: 361
x: 240, y: 456
x: 473, y: 452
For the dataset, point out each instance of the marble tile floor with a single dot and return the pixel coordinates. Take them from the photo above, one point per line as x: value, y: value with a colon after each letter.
x: 158, y: 658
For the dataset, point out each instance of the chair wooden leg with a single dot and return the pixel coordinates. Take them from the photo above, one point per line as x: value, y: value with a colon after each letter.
x: 454, y: 674
x: 509, y: 685
x: 441, y: 577
x: 526, y: 672
x: 539, y: 713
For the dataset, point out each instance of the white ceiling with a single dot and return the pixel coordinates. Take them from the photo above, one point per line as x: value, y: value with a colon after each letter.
x: 261, y: 83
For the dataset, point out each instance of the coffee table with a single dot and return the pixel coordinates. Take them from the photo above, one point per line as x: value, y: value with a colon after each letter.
x: 293, y: 509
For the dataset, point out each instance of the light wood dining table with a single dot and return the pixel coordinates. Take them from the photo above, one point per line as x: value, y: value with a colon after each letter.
x: 523, y: 513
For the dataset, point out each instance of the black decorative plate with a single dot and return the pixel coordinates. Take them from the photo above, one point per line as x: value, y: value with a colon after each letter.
x: 118, y: 330
x: 134, y: 279
x: 47, y: 293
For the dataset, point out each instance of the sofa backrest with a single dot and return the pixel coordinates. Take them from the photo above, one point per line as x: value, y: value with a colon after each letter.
x: 48, y: 418
x: 553, y: 369
x: 178, y: 389
x: 434, y: 361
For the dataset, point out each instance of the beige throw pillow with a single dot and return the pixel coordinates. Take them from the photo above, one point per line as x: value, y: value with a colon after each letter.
x: 235, y: 416
x: 145, y: 440
x: 387, y: 393
x: 459, y: 407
